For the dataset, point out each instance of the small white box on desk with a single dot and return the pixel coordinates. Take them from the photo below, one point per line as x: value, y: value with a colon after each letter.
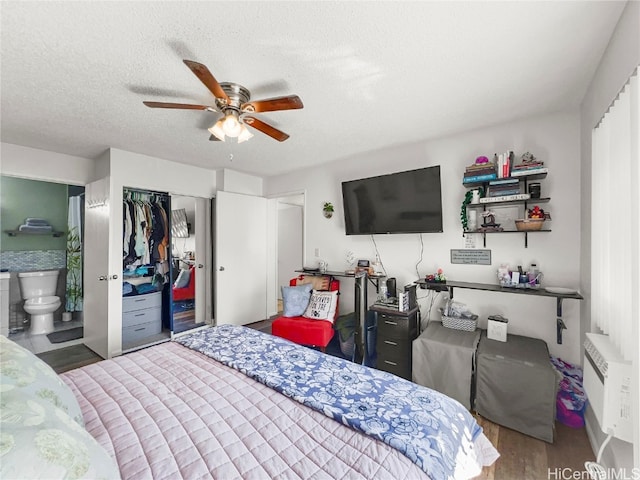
x: 497, y: 328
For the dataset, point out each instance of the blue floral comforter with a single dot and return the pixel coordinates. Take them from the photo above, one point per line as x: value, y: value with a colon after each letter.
x: 433, y: 430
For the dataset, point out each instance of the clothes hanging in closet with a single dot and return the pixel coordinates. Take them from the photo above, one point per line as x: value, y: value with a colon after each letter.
x: 145, y: 238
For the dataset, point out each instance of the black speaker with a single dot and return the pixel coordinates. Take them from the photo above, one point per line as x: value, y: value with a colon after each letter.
x: 391, y: 287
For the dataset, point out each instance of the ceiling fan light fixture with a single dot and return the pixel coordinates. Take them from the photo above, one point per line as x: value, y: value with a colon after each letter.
x: 245, y: 134
x: 231, y: 125
x: 217, y: 131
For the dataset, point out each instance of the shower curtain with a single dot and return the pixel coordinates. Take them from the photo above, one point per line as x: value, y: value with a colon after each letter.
x: 74, y: 256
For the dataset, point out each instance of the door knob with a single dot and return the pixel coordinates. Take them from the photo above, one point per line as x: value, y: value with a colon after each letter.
x: 114, y: 277
x: 200, y: 265
x: 221, y: 269
x: 102, y: 277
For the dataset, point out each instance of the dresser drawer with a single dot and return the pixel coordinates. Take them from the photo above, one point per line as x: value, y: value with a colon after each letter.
x: 140, y: 332
x: 138, y: 317
x: 392, y: 347
x: 399, y: 368
x: 140, y: 302
x: 396, y: 327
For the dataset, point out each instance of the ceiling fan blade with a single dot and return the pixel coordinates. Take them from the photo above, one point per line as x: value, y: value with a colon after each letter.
x: 213, y: 138
x: 184, y: 106
x: 290, y: 102
x: 266, y: 128
x: 205, y: 76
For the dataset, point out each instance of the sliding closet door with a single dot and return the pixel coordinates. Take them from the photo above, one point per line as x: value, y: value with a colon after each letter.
x: 202, y: 263
x: 241, y: 259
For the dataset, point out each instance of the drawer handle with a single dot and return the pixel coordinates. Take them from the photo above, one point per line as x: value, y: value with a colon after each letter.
x: 140, y: 329
x: 140, y: 300
x: 388, y: 342
x: 390, y: 323
x: 391, y: 363
x: 139, y: 315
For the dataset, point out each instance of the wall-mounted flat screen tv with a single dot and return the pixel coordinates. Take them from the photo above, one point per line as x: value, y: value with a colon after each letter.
x: 403, y: 202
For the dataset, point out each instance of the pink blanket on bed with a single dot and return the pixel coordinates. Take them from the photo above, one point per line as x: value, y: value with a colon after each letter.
x: 170, y: 412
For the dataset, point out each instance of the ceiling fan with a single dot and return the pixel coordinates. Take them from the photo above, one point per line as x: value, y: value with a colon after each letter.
x: 234, y: 102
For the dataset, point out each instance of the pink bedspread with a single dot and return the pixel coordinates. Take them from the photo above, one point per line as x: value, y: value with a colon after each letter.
x: 170, y: 412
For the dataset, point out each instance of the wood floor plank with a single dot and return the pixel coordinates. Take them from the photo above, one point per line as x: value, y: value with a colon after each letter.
x: 492, y: 432
x: 576, y: 449
x: 521, y: 457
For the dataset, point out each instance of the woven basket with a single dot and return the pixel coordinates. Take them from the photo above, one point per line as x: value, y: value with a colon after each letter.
x: 460, y: 323
x: 529, y: 224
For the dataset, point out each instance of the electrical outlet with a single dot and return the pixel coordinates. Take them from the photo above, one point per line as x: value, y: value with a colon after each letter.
x: 317, y: 252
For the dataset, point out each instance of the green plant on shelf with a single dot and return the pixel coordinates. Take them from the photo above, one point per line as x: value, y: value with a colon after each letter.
x: 463, y: 209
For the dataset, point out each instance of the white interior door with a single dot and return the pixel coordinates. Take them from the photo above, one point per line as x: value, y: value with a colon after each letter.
x: 241, y: 259
x: 200, y: 220
x: 96, y: 267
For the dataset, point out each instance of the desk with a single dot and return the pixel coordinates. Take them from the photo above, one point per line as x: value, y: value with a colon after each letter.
x: 362, y: 280
x: 490, y: 287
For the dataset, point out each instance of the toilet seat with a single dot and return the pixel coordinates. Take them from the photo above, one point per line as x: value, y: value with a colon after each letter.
x: 42, y: 301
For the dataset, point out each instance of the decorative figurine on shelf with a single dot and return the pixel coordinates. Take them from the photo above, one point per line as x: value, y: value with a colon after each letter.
x: 537, y: 212
x: 438, y: 277
x: 489, y: 224
x: 528, y: 157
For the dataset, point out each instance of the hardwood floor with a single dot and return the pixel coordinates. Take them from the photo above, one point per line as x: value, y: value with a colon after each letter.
x: 68, y: 358
x: 526, y: 458
x: 521, y: 457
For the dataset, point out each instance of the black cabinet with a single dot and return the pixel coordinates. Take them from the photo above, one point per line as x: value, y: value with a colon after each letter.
x: 395, y: 332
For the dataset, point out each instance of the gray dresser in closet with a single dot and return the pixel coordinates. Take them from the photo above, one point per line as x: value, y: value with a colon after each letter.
x: 141, y: 317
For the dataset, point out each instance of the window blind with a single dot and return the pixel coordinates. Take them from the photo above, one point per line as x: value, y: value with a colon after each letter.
x: 615, y: 219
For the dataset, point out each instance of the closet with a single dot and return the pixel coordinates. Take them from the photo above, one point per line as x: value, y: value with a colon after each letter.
x: 146, y: 268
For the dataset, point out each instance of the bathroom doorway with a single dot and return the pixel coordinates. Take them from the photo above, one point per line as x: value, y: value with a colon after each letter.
x: 42, y: 226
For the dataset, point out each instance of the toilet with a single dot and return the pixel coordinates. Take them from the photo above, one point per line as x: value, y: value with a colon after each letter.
x: 38, y: 289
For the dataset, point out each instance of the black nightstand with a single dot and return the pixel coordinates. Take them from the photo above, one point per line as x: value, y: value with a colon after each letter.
x: 395, y: 333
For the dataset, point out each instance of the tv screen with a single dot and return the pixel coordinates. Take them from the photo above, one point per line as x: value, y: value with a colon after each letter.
x: 404, y: 202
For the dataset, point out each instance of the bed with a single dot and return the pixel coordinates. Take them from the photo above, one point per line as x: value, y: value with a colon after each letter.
x: 232, y: 402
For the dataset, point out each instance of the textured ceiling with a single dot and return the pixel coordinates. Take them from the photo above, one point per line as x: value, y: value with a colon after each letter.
x: 371, y: 74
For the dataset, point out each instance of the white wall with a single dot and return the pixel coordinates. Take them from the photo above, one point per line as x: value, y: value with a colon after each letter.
x: 238, y: 182
x: 34, y: 164
x: 552, y: 138
x: 619, y: 60
x: 143, y: 171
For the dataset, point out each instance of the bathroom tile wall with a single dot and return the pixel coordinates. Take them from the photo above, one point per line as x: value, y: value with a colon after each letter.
x: 32, y: 260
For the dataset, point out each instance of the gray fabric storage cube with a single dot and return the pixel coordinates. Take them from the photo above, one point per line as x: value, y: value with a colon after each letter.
x: 443, y: 359
x: 516, y: 385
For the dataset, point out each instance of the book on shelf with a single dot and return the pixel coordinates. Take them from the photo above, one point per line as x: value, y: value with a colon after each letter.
x: 480, y: 166
x: 513, y: 188
x: 529, y: 165
x: 486, y: 171
x: 532, y: 171
x: 505, y: 181
x: 479, y: 178
x: 500, y: 193
x: 506, y: 198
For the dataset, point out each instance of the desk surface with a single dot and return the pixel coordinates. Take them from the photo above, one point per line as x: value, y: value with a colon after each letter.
x: 333, y: 273
x: 540, y: 292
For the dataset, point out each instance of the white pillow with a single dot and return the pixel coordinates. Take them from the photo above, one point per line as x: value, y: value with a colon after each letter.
x: 322, y: 306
